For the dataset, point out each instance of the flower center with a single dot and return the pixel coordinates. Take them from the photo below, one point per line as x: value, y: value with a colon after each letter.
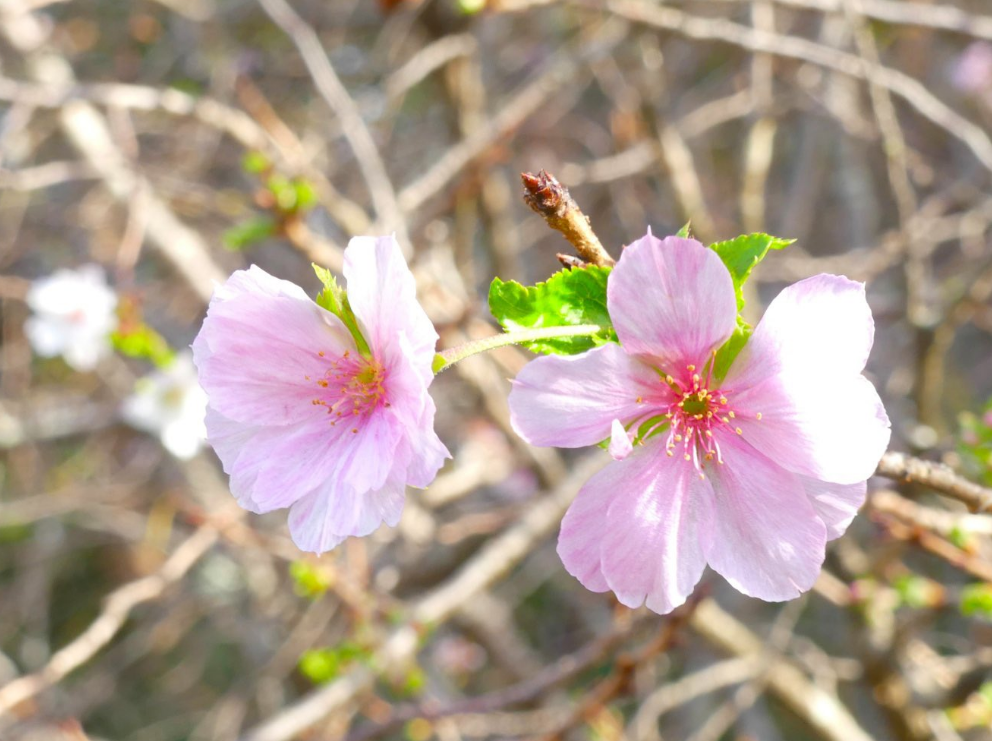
x: 694, y: 414
x: 351, y: 388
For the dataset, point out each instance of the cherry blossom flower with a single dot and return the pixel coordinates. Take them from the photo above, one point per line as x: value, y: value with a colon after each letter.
x: 170, y: 403
x: 73, y: 316
x: 751, y: 474
x: 972, y: 71
x: 300, y: 418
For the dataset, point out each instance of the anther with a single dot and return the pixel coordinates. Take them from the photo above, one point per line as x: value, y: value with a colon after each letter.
x: 691, y: 368
x: 640, y: 400
x: 723, y: 399
x: 758, y: 415
x: 731, y: 415
x: 354, y: 430
x: 687, y: 457
x: 738, y: 430
x: 669, y: 453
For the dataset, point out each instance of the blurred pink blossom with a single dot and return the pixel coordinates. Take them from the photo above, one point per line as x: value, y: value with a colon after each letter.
x: 972, y: 71
x: 751, y: 474
x: 300, y: 418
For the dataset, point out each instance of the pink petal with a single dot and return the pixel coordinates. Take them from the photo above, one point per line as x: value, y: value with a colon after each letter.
x: 656, y: 530
x: 254, y: 354
x: 671, y: 300
x: 583, y: 530
x: 819, y: 327
x: 571, y: 401
x: 836, y: 504
x: 229, y: 439
x: 305, y: 455
x: 834, y: 431
x: 427, y: 452
x: 256, y: 281
x: 620, y: 444
x: 767, y: 539
x: 383, y: 294
x: 324, y: 518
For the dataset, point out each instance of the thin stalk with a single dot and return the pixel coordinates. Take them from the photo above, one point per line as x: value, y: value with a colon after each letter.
x: 449, y: 357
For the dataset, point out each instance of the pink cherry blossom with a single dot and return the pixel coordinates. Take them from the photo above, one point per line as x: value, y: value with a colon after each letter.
x: 751, y: 474
x: 300, y: 418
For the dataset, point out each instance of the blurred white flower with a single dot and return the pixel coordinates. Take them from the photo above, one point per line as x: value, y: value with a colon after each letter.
x: 73, y: 316
x: 170, y: 403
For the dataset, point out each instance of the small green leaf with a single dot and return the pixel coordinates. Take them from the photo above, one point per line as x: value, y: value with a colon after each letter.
x: 471, y: 7
x: 310, y: 580
x: 335, y: 300
x: 283, y: 191
x: 320, y: 665
x: 567, y: 298
x: 742, y: 253
x: 246, y: 233
x: 914, y: 591
x: 686, y: 231
x: 730, y: 349
x: 976, y: 599
x: 256, y: 163
x: 144, y: 343
x: 306, y: 196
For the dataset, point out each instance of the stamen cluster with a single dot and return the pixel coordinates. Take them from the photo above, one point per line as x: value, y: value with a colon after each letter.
x: 353, y: 387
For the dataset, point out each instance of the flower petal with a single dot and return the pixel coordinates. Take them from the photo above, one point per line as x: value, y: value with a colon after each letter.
x: 259, y: 356
x: 325, y: 517
x: 620, y: 445
x: 819, y: 327
x: 656, y: 529
x: 834, y: 432
x: 570, y: 401
x: 671, y: 300
x: 383, y: 294
x: 836, y: 504
x: 768, y: 541
x: 583, y: 530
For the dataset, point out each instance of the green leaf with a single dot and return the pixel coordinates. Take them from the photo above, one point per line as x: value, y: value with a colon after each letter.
x: 144, y: 343
x: 471, y: 7
x: 914, y: 591
x: 567, y: 298
x: 256, y: 163
x: 730, y: 349
x: 686, y: 231
x: 742, y: 253
x: 976, y: 599
x: 311, y: 581
x: 248, y: 232
x: 306, y: 196
x: 335, y: 300
x: 320, y: 665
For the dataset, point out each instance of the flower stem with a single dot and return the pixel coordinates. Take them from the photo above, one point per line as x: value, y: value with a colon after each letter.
x: 452, y: 355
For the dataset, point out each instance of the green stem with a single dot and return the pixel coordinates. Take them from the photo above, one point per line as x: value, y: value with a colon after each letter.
x: 452, y: 355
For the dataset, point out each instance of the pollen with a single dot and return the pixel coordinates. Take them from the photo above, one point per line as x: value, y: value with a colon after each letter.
x: 353, y: 386
x: 697, y: 415
x: 758, y: 416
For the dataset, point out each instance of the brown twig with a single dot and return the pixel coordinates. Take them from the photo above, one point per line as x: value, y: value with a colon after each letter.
x: 549, y: 198
x: 937, y: 476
